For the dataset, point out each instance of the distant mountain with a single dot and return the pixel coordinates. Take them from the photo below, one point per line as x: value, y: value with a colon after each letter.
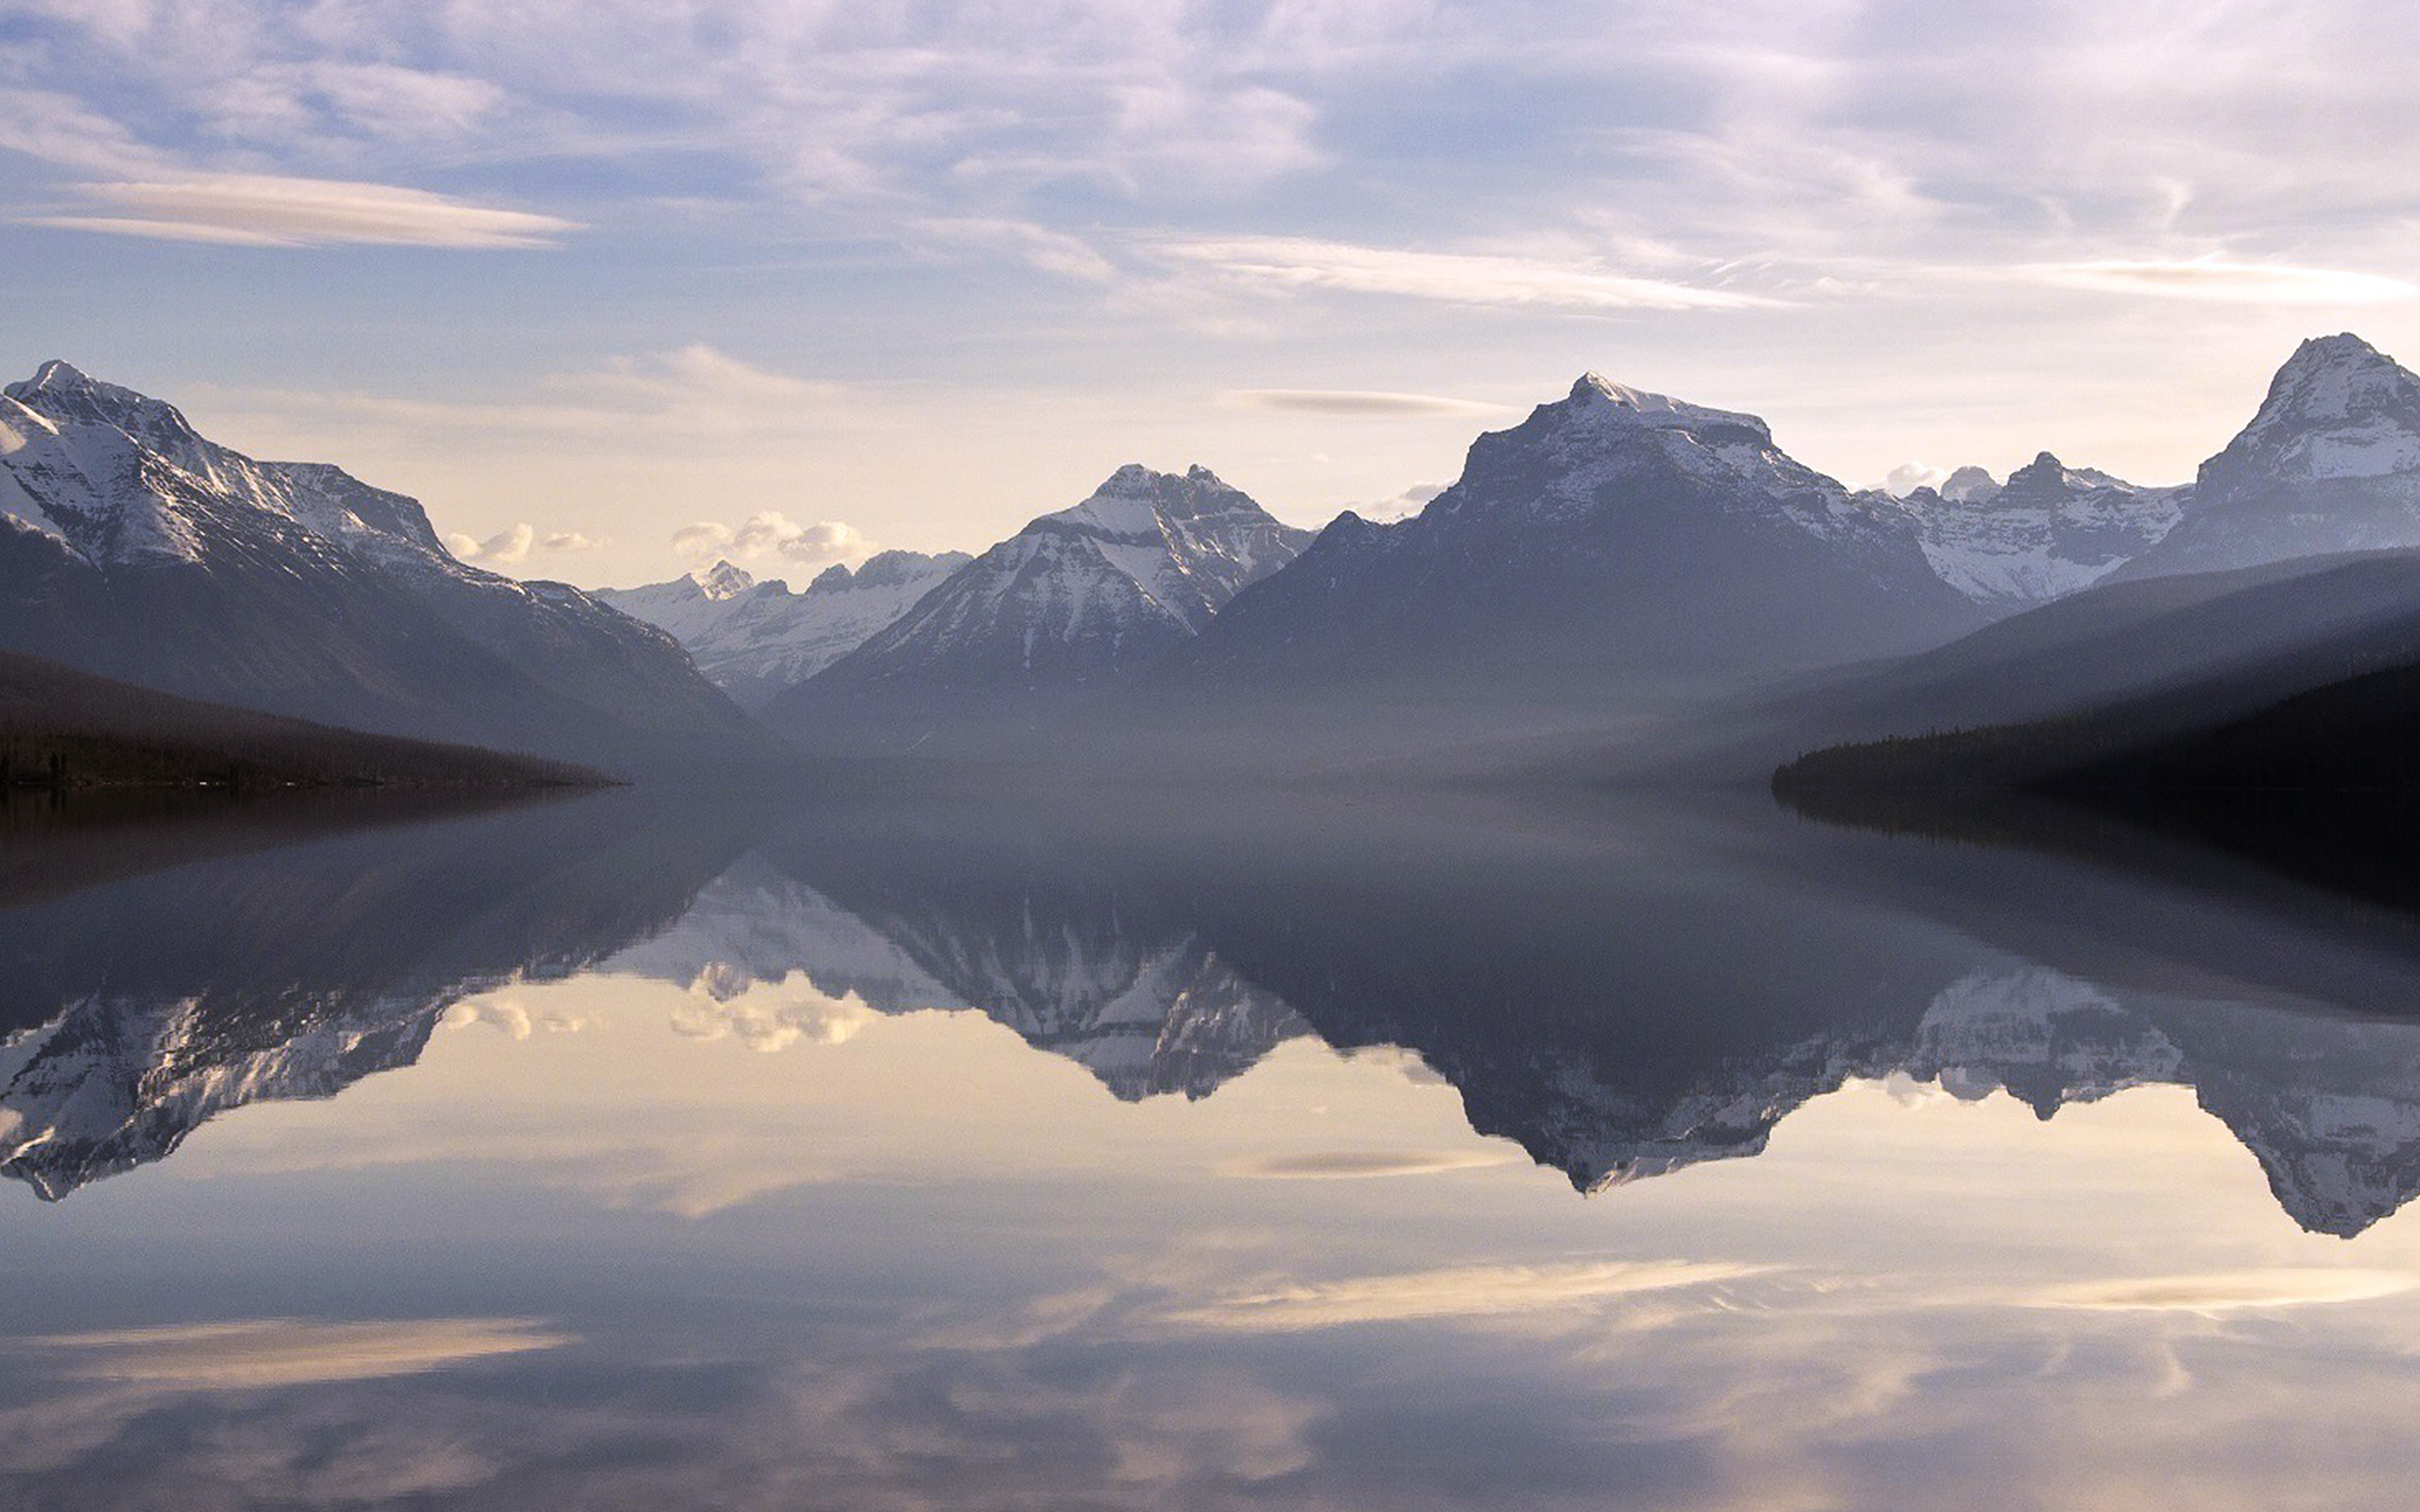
x: 2330, y: 463
x: 753, y: 640
x: 1615, y: 541
x: 2046, y: 532
x: 1968, y: 485
x: 133, y: 548
x: 62, y: 727
x: 1063, y: 609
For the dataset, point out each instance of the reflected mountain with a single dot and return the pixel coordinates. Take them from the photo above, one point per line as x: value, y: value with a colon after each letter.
x: 142, y: 1007
x: 1625, y: 994
x: 1625, y: 989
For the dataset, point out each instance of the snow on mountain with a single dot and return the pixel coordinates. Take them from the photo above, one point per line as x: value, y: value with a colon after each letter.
x: 133, y: 547
x: 755, y: 639
x: 2048, y: 531
x: 1068, y: 606
x: 2330, y: 463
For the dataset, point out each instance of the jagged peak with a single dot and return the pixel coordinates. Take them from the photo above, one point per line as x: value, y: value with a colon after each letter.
x: 61, y: 390
x: 724, y: 580
x: 2335, y: 378
x: 1969, y: 483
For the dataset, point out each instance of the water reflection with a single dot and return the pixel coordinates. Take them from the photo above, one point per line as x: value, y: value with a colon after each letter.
x: 970, y: 1155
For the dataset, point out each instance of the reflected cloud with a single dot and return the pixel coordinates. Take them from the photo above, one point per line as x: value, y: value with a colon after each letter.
x: 1457, y: 1292
x: 2229, y: 1291
x: 256, y: 1354
x: 1346, y: 1165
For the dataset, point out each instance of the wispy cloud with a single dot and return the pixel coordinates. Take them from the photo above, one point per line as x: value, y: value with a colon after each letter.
x: 1286, y: 264
x: 2229, y: 1291
x: 2229, y: 282
x: 1351, y: 401
x: 268, y: 210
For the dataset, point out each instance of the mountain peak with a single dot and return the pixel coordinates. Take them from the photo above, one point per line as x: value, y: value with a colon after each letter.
x: 2333, y: 379
x: 61, y: 373
x: 1969, y: 484
x: 723, y: 580
x: 1600, y: 400
x: 61, y: 392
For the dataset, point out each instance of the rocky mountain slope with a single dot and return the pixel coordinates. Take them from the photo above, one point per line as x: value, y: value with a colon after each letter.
x: 2330, y: 463
x: 133, y: 547
x: 1063, y: 609
x: 2046, y: 532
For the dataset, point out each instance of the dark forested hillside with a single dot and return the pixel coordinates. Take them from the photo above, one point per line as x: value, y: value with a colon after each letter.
x: 66, y: 729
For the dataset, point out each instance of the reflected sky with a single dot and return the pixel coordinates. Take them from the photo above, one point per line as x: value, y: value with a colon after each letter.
x: 1646, y: 1157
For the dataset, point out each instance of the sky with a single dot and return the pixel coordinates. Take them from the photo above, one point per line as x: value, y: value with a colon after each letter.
x: 614, y: 287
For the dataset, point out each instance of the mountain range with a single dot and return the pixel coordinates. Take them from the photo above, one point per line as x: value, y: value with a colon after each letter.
x: 133, y: 548
x: 1617, y: 555
x: 755, y: 639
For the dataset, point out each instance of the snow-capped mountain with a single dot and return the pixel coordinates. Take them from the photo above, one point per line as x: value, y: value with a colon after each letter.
x: 755, y: 639
x: 136, y: 548
x: 2330, y: 463
x: 1616, y: 539
x: 1066, y: 607
x: 2048, y: 531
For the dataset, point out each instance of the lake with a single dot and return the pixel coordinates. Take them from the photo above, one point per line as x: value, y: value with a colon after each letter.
x: 1202, y: 1150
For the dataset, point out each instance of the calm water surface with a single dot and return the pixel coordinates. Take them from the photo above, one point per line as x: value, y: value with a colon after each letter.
x: 1253, y: 1151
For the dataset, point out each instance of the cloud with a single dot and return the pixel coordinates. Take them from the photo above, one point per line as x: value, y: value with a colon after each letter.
x: 1909, y: 477
x: 1348, y: 1165
x: 506, y: 547
x: 1462, y: 1291
x: 514, y: 544
x: 268, y: 210
x: 1038, y: 247
x: 269, y: 1353
x: 771, y: 533
x: 2229, y: 1291
x: 771, y: 1016
x: 1285, y: 263
x: 1351, y: 401
x: 2228, y: 281
x: 512, y: 1019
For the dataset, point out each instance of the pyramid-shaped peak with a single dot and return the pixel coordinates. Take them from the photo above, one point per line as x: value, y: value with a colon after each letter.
x: 60, y: 374
x: 2335, y: 378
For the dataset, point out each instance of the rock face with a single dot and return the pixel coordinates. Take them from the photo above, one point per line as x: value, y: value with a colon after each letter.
x: 133, y: 547
x: 756, y: 640
x: 2331, y: 463
x: 2048, y: 532
x: 1616, y: 537
x: 1067, y: 608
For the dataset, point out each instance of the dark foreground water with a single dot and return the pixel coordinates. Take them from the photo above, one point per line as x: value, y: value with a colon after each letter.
x: 1243, y: 1151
